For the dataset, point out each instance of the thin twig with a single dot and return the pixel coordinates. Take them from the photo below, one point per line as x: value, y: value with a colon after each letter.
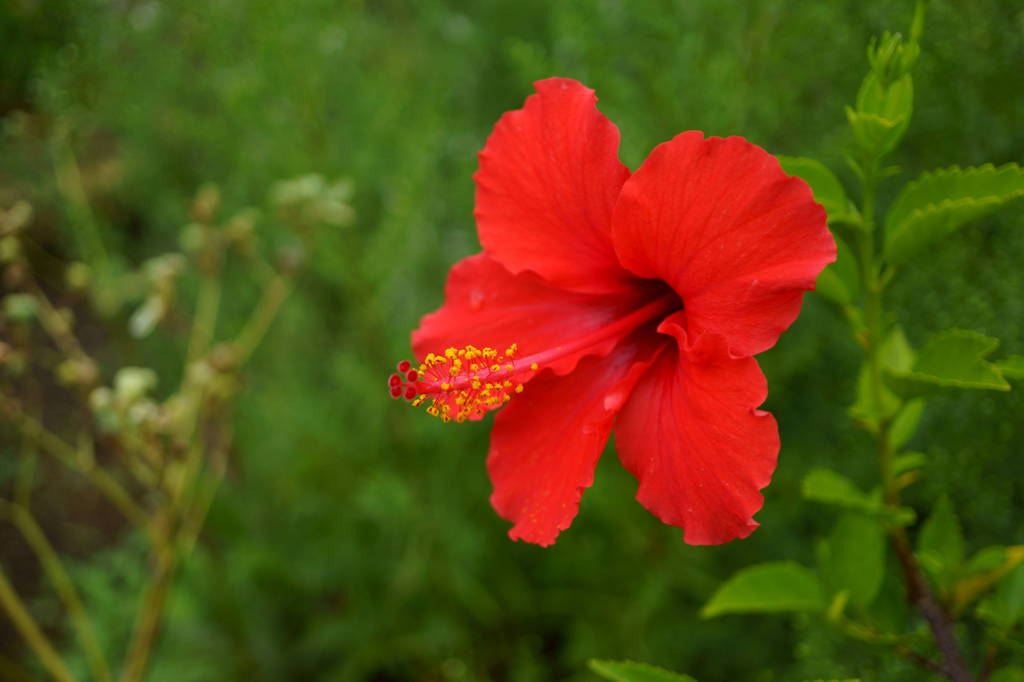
x: 988, y: 663
x: 54, y: 324
x: 66, y: 454
x: 922, y: 661
x: 30, y: 631
x: 147, y: 623
x: 63, y: 584
x: 262, y: 316
x: 939, y: 622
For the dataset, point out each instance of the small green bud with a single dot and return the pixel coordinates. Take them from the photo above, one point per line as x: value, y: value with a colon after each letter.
x: 290, y: 258
x: 192, y: 238
x: 132, y: 383
x: 101, y: 399
x: 14, y: 275
x: 204, y: 207
x: 164, y: 268
x: 20, y: 307
x: 10, y: 249
x: 78, y: 276
x: 77, y: 372
x: 15, y: 218
x: 145, y: 319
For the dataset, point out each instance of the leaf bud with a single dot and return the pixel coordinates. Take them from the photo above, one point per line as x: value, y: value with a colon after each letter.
x: 20, y: 307
x: 15, y: 218
x: 145, y: 319
x: 204, y: 206
x: 14, y: 275
x: 78, y: 276
x: 224, y: 358
x: 290, y: 258
x: 10, y: 249
x: 101, y: 399
x: 192, y: 238
x: 132, y: 383
x: 77, y: 372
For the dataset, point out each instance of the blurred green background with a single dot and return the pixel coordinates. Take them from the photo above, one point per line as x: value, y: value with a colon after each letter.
x: 354, y: 540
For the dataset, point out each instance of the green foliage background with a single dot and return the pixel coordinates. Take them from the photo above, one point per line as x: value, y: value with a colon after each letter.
x: 354, y: 540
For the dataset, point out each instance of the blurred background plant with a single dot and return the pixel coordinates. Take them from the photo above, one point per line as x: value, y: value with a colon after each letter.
x: 158, y: 460
x: 351, y: 540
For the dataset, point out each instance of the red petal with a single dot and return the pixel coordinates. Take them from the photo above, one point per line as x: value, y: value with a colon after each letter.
x: 693, y: 437
x: 485, y: 305
x: 738, y: 239
x: 548, y: 179
x: 546, y: 442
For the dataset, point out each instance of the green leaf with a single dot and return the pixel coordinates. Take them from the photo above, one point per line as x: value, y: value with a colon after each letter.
x: 982, y: 572
x: 827, y: 189
x: 1012, y: 367
x: 954, y: 358
x: 874, y: 134
x: 839, y: 282
x: 863, y: 407
x: 1011, y: 673
x: 905, y: 423
x: 1005, y: 607
x: 938, y: 203
x: 829, y: 487
x: 896, y: 356
x: 768, y: 588
x: 883, y: 113
x: 825, y: 485
x: 630, y: 671
x: 891, y: 104
x: 940, y: 546
x: 907, y: 461
x: 853, y: 558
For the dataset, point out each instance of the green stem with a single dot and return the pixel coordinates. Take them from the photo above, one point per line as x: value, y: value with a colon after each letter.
x: 69, y: 182
x: 147, y: 623
x: 259, y: 322
x: 29, y: 629
x: 205, y: 321
x: 66, y: 454
x: 918, y: 590
x: 62, y: 583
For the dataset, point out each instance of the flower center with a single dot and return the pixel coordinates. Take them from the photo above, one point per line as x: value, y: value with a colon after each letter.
x: 466, y: 383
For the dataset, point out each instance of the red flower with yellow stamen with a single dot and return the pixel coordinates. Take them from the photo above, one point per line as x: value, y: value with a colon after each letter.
x: 607, y: 299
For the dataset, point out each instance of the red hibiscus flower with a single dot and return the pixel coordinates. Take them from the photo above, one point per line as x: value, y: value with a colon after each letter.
x: 604, y: 299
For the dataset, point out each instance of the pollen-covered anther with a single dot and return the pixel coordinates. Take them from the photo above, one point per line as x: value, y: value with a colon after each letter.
x: 462, y: 383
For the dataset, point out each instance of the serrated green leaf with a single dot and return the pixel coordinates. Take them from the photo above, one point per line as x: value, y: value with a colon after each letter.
x: 905, y: 423
x: 768, y: 588
x: 630, y: 671
x: 827, y: 189
x: 954, y: 358
x: 854, y: 558
x: 1005, y: 607
x: 1012, y: 367
x: 982, y: 572
x: 839, y: 282
x: 940, y: 202
x: 940, y: 546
